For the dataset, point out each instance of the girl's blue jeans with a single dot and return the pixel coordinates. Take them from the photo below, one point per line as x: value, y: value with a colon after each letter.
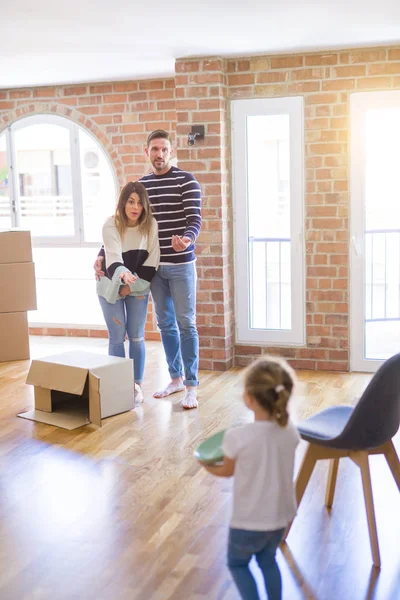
x: 242, y: 545
x: 127, y: 318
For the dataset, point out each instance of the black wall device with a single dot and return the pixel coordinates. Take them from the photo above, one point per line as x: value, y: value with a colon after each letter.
x: 196, y: 133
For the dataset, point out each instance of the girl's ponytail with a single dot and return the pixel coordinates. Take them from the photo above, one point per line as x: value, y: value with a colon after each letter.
x: 270, y: 381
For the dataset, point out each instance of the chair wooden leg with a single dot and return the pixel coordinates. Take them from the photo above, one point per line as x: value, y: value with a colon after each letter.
x: 361, y: 459
x: 303, y: 477
x: 393, y: 461
x: 330, y: 488
x: 307, y: 466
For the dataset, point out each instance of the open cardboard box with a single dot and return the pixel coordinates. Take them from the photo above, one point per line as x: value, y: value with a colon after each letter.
x: 77, y: 388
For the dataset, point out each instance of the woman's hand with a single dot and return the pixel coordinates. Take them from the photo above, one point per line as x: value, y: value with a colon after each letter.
x: 128, y: 277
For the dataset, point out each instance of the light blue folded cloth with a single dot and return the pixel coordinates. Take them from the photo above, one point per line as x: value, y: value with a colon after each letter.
x: 109, y: 288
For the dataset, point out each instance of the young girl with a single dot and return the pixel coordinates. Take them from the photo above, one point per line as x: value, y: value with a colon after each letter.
x: 260, y: 455
x: 132, y: 253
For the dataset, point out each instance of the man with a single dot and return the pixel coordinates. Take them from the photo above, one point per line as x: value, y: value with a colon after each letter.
x: 175, y: 196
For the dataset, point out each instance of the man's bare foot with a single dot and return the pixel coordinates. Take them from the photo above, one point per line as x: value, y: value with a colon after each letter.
x: 175, y: 385
x: 189, y: 400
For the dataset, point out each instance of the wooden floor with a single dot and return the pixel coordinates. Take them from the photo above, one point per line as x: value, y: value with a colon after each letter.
x: 125, y: 513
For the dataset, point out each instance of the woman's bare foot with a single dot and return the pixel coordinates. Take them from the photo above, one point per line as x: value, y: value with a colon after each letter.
x: 138, y: 394
x: 175, y: 385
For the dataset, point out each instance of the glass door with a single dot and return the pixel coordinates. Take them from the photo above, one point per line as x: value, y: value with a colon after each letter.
x: 375, y: 229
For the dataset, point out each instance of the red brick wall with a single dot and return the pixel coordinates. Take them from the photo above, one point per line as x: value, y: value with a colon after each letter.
x: 201, y: 98
x: 120, y: 114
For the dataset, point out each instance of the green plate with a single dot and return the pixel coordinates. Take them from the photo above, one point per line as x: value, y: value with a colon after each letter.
x: 210, y: 451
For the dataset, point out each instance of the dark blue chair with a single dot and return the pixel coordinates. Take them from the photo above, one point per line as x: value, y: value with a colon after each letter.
x: 344, y: 431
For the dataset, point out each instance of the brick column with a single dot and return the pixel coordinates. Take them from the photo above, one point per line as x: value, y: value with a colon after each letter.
x: 201, y: 99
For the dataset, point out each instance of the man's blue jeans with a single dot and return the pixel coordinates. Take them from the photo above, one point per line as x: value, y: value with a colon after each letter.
x: 127, y: 317
x: 242, y: 545
x: 173, y: 289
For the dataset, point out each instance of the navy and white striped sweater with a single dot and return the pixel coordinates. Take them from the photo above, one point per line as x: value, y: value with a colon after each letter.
x: 176, y: 201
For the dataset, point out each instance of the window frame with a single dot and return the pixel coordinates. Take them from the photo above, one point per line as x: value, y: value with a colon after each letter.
x: 240, y: 110
x: 77, y: 239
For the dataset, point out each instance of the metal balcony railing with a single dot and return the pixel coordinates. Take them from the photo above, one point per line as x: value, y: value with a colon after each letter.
x: 382, y: 275
x: 270, y: 283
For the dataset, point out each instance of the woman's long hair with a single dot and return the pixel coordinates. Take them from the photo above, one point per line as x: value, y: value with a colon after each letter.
x: 146, y: 218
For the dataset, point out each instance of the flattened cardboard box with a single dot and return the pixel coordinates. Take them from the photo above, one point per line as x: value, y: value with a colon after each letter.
x: 18, y: 288
x: 77, y: 388
x: 15, y: 246
x: 14, y: 337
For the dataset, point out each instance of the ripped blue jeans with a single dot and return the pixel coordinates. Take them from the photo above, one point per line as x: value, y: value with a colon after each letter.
x: 127, y: 317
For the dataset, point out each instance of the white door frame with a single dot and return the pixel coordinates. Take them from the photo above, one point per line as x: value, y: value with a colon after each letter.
x: 360, y: 102
x: 14, y: 206
x: 240, y: 110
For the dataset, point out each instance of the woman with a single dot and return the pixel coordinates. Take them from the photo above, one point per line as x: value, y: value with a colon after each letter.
x: 131, y: 255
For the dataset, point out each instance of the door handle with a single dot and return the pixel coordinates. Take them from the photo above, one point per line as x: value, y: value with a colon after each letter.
x: 354, y: 244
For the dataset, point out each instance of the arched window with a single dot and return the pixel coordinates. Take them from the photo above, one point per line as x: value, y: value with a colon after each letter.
x: 57, y: 181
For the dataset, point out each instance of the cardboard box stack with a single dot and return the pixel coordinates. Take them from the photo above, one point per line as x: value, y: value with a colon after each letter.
x: 17, y: 293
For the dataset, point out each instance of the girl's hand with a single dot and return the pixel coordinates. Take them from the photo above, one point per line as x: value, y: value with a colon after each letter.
x: 226, y: 469
x: 128, y: 277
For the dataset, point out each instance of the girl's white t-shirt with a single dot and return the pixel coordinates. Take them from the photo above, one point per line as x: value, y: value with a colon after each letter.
x: 263, y: 490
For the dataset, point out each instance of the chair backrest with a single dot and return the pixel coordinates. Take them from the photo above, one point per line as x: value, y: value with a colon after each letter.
x: 376, y: 417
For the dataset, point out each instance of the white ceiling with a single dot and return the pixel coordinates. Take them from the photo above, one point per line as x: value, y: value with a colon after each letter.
x: 48, y: 42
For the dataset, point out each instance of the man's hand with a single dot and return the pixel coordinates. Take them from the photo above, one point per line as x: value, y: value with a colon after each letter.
x: 180, y: 243
x: 98, y: 267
